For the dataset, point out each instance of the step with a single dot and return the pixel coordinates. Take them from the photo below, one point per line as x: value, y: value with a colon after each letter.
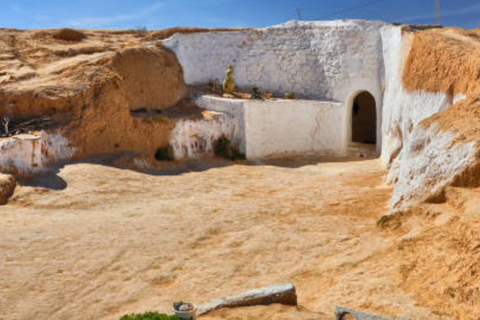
x: 363, y: 150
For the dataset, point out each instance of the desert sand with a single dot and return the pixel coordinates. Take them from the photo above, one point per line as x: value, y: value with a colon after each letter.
x: 99, y: 239
x: 96, y: 242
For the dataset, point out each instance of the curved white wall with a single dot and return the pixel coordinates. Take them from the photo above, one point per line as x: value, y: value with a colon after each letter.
x: 403, y: 110
x: 321, y: 60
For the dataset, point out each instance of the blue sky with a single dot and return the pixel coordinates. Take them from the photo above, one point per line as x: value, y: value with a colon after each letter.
x: 158, y: 14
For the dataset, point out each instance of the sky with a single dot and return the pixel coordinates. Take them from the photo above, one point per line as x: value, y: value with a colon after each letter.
x: 160, y: 14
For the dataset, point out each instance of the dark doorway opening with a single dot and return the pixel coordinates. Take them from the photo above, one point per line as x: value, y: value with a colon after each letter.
x: 364, y: 119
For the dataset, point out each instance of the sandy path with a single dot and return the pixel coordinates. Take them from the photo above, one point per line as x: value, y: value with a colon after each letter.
x: 117, y: 241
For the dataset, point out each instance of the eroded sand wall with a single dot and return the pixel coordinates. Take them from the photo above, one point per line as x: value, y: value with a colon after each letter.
x: 430, y: 161
x: 403, y: 109
x: 431, y: 122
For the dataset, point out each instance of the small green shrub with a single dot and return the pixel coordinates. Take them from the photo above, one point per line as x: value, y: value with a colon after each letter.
x: 164, y: 154
x: 150, y: 316
x: 223, y: 148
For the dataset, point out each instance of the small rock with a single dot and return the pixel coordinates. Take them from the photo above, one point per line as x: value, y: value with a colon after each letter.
x: 68, y: 34
x: 7, y: 186
x: 281, y: 293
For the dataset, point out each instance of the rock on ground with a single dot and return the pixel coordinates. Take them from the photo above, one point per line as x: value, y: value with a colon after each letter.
x: 281, y: 293
x: 7, y: 186
x: 442, y: 151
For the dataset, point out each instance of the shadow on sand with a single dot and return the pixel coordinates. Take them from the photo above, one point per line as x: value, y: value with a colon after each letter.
x: 51, y: 179
x: 48, y: 180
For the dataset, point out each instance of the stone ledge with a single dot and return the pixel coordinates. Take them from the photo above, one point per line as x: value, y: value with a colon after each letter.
x: 281, y: 293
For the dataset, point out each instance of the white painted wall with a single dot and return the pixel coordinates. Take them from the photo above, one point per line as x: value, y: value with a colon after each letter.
x: 322, y: 60
x: 28, y: 154
x: 234, y: 108
x: 21, y: 154
x: 195, y: 138
x: 332, y: 61
x: 277, y: 127
x: 319, y: 60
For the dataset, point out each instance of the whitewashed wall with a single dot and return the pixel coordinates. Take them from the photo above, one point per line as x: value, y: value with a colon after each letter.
x: 234, y: 109
x: 24, y: 155
x: 293, y: 127
x: 278, y: 127
x: 196, y: 138
x: 321, y: 60
x: 324, y: 61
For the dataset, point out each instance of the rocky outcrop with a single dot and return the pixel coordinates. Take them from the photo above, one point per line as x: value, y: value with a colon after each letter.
x: 404, y: 107
x: 430, y: 113
x: 444, y: 150
x: 281, y: 293
x: 68, y: 34
x: 342, y: 313
x: 151, y: 78
x: 7, y: 186
x: 88, y: 95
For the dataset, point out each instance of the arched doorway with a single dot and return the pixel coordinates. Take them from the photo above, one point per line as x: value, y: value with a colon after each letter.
x: 364, y: 119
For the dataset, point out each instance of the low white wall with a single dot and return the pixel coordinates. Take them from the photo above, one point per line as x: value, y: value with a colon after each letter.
x: 234, y: 108
x: 28, y: 154
x: 195, y: 138
x: 293, y: 127
x: 278, y: 127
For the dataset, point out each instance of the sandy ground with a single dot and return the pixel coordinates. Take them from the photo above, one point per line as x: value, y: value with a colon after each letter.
x: 99, y: 242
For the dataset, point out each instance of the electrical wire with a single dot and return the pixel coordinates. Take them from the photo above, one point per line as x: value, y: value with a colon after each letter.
x: 366, y: 4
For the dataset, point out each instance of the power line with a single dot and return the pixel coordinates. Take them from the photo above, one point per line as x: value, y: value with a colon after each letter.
x: 299, y: 13
x: 437, y: 12
x: 366, y: 4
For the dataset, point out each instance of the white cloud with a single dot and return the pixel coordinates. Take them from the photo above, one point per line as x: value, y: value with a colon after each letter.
x: 94, y: 22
